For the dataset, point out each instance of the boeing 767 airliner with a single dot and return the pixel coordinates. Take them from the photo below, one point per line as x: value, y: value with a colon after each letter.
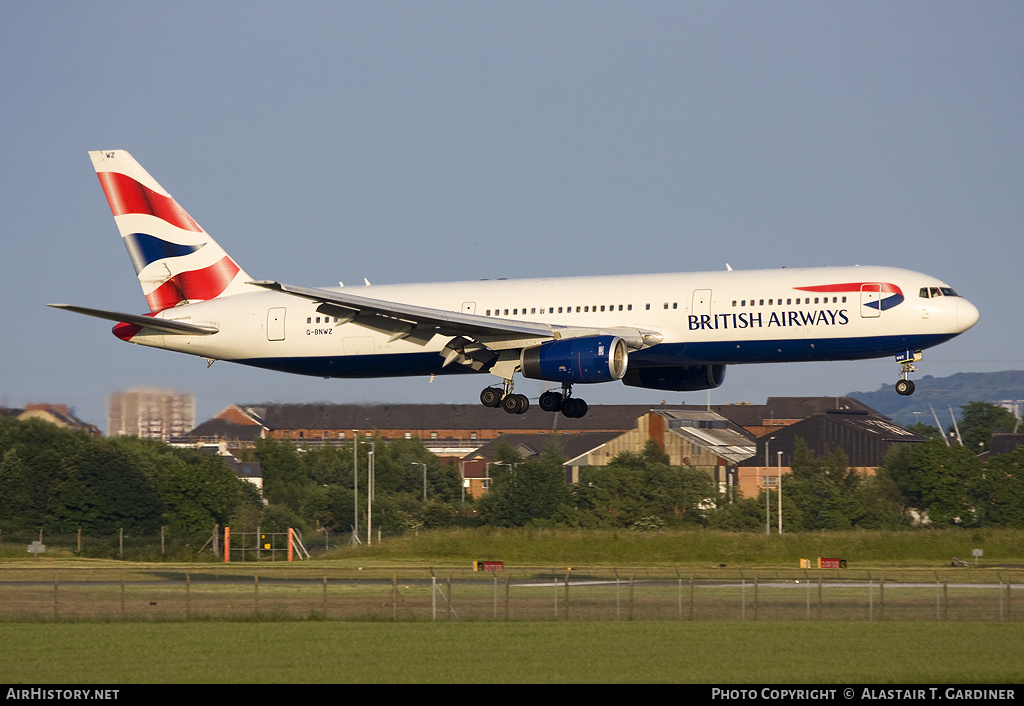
x: 663, y: 331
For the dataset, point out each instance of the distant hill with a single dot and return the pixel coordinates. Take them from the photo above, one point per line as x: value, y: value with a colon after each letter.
x: 941, y: 393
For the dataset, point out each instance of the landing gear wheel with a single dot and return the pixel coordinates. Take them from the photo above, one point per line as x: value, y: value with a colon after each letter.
x: 574, y: 408
x: 491, y: 397
x: 515, y: 404
x: 550, y: 401
x: 905, y: 387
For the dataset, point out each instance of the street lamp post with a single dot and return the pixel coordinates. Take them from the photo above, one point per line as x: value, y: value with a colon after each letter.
x: 779, y: 467
x: 355, y: 486
x: 369, y: 496
x: 767, y: 489
x: 416, y: 463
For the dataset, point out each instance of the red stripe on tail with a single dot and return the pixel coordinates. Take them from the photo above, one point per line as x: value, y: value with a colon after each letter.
x: 125, y: 195
x: 197, y: 285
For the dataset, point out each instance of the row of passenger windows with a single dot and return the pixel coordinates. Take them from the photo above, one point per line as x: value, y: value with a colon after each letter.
x: 523, y: 311
x: 789, y: 302
x: 571, y: 309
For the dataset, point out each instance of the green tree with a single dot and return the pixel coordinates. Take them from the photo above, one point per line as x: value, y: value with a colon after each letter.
x: 823, y: 490
x: 31, y: 453
x: 998, y: 491
x: 526, y: 491
x: 634, y: 487
x: 102, y: 490
x: 936, y: 479
x: 979, y: 420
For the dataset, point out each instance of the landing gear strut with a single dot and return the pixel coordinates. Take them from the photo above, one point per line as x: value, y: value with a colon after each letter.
x: 569, y: 406
x: 504, y: 398
x: 905, y: 386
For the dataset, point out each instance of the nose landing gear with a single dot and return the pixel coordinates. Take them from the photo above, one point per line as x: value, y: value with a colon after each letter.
x: 905, y: 386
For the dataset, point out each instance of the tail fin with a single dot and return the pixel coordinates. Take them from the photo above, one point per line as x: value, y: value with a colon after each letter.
x: 176, y: 260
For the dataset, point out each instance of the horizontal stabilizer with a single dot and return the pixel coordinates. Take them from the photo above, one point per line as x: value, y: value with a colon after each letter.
x: 165, y: 325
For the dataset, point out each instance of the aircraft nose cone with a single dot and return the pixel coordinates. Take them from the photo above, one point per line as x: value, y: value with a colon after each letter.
x: 966, y: 315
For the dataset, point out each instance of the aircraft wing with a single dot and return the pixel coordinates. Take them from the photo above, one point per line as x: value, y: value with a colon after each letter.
x: 416, y: 323
x: 165, y: 325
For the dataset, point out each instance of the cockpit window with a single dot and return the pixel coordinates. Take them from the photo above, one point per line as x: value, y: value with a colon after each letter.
x: 932, y: 292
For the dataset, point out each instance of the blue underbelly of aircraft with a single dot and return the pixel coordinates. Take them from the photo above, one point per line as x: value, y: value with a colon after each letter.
x: 694, y: 353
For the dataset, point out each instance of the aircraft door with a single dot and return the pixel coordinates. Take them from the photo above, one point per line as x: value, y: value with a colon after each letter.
x: 275, y: 324
x: 870, y: 300
x: 701, y: 304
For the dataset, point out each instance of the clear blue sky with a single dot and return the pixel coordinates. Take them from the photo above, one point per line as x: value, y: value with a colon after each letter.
x: 414, y: 141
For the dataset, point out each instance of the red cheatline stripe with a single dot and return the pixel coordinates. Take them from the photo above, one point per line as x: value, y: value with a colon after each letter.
x: 197, y: 285
x: 125, y: 195
x: 850, y: 287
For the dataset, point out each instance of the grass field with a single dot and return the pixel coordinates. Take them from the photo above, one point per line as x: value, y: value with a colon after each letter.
x: 638, y: 652
x: 66, y: 620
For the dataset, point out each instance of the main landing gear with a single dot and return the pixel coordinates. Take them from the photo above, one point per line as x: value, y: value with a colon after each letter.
x: 504, y: 398
x: 905, y: 386
x: 550, y: 401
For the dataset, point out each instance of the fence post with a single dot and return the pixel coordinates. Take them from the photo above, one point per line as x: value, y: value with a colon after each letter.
x: 755, y: 599
x: 567, y: 593
x: 55, y: 611
x: 508, y: 585
x: 448, y: 598
x: 631, y: 577
x: 256, y: 592
x: 881, y: 599
x: 324, y: 600
x: 945, y: 601
x: 188, y: 596
x: 819, y: 597
x: 691, y: 596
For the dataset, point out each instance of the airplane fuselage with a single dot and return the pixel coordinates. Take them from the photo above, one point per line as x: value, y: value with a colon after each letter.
x: 731, y: 317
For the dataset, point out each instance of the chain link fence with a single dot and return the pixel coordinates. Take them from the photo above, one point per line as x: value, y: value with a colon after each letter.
x: 302, y: 592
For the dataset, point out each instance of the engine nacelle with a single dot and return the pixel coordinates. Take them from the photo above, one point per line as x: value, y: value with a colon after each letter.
x: 589, y: 359
x: 678, y: 378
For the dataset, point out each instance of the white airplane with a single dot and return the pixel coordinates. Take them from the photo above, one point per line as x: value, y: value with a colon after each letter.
x: 663, y: 331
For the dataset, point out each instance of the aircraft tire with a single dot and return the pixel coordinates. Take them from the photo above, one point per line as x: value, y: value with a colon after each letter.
x: 905, y: 387
x: 550, y: 401
x: 491, y: 397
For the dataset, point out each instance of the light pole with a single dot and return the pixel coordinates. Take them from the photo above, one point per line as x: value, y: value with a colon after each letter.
x: 369, y: 496
x: 767, y: 490
x: 416, y: 463
x: 780, y: 489
x: 355, y: 486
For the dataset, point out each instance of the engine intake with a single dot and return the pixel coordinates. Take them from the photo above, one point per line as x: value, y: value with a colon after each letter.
x: 589, y: 359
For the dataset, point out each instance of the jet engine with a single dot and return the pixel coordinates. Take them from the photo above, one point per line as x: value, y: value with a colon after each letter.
x: 678, y: 378
x: 588, y: 359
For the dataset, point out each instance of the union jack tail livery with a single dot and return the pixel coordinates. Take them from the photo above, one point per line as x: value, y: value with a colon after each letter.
x: 674, y: 332
x: 177, y: 262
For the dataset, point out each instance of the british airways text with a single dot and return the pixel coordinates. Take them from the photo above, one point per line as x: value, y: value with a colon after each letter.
x: 822, y: 317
